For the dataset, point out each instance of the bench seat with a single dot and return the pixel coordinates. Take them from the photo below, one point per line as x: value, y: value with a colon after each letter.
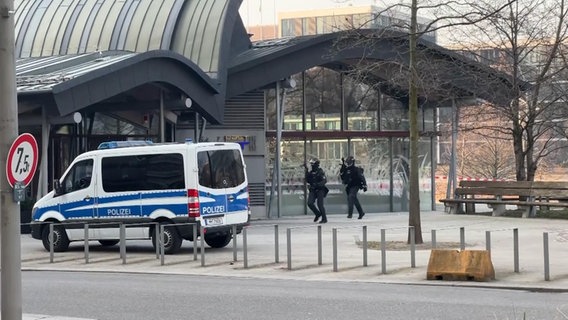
x: 497, y: 195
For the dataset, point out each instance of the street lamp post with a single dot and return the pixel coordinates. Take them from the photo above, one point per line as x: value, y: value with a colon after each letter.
x: 11, y: 277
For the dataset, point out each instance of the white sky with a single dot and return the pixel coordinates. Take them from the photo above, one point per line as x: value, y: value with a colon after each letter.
x: 251, y: 13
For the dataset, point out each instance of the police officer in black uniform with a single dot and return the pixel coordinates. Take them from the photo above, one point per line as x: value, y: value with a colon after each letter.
x: 317, y: 190
x: 354, y: 180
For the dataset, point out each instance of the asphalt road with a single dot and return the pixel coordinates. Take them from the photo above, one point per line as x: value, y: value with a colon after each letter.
x: 153, y: 296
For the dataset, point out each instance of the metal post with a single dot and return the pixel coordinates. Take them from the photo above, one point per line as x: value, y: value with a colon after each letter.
x: 365, y: 246
x: 334, y: 235
x: 276, y: 245
x: 516, y: 249
x: 234, y: 243
x: 462, y: 238
x: 162, y: 243
x: 86, y: 243
x: 320, y: 254
x: 194, y: 241
x: 51, y: 239
x: 412, y: 248
x: 278, y: 161
x: 433, y: 239
x: 289, y: 247
x: 123, y: 243
x: 245, y: 251
x: 202, y: 244
x: 488, y: 242
x: 546, y: 257
x: 383, y: 252
x: 157, y: 237
x: 10, y: 238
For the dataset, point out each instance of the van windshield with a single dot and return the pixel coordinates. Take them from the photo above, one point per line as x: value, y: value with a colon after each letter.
x: 220, y: 169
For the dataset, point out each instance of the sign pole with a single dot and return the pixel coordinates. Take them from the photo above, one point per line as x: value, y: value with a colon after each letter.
x: 11, y: 277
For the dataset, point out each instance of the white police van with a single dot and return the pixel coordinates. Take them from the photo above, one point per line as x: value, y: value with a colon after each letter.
x: 137, y: 182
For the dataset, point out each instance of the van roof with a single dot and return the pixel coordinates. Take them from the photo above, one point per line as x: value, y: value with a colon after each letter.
x: 159, y: 147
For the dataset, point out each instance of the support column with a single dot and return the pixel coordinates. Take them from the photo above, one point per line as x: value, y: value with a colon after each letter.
x: 43, y: 173
x: 162, y: 118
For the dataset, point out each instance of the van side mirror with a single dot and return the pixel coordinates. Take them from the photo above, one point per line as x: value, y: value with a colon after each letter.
x: 57, y: 187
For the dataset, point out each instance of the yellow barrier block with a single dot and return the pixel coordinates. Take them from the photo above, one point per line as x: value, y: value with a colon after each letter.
x: 458, y: 265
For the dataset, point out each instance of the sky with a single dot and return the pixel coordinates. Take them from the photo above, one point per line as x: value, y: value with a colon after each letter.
x: 256, y: 12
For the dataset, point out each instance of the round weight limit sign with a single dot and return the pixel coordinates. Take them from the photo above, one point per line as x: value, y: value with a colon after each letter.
x: 22, y: 160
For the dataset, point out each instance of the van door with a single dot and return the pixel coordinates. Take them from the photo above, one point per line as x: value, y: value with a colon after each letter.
x: 224, y: 200
x: 76, y: 195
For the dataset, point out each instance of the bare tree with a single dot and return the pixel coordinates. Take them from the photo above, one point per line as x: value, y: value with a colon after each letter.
x: 483, y: 151
x: 527, y: 40
x: 423, y: 77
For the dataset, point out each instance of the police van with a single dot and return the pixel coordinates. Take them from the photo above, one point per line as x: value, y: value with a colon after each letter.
x: 140, y: 184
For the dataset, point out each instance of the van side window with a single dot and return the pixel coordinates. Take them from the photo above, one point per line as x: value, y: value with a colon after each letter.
x: 143, y: 172
x: 220, y: 169
x: 79, y: 177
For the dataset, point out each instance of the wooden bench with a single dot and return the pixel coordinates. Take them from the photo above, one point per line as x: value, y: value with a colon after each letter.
x: 526, y: 195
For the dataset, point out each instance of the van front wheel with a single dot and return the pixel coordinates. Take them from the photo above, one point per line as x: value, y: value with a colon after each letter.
x: 218, y: 240
x: 172, y: 240
x: 60, y: 240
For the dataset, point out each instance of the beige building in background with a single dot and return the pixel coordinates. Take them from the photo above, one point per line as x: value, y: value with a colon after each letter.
x: 313, y: 22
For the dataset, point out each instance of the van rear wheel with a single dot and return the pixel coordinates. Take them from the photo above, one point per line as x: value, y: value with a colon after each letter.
x: 218, y: 240
x: 172, y: 239
x: 60, y: 239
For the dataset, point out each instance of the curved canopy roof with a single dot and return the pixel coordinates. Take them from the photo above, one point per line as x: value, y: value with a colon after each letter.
x: 83, y: 52
x: 377, y: 56
x: 199, y: 30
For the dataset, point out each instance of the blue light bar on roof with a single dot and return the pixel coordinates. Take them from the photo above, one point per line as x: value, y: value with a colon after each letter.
x: 124, y: 144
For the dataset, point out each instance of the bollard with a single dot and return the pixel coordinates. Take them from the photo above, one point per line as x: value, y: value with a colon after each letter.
x: 86, y: 243
x: 334, y: 236
x: 289, y: 247
x: 433, y: 239
x: 51, y: 238
x: 412, y: 248
x: 516, y: 249
x: 546, y: 257
x: 364, y: 246
x: 157, y: 237
x: 276, y: 245
x: 488, y: 242
x: 202, y: 244
x: 383, y: 252
x: 320, y: 254
x: 194, y: 241
x: 245, y: 251
x: 234, y: 243
x: 162, y: 242
x: 462, y: 238
x: 123, y: 243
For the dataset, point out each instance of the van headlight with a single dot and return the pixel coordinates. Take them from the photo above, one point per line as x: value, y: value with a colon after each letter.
x: 34, y: 209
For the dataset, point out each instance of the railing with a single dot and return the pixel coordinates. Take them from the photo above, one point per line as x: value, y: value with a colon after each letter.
x: 313, y: 239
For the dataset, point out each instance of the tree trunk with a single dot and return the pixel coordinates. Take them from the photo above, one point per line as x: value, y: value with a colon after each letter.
x: 414, y: 183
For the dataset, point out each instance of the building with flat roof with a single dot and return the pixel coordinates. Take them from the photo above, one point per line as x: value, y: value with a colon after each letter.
x: 312, y: 22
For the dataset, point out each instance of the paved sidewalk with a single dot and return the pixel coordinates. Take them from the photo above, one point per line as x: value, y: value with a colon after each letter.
x: 261, y: 257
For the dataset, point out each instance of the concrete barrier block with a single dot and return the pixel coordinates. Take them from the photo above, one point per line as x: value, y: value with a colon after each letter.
x: 458, y: 265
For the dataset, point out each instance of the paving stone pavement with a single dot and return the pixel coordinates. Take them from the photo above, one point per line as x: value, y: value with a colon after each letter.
x: 263, y: 259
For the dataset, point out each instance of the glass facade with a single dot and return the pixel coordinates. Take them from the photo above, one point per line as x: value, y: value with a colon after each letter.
x: 330, y: 116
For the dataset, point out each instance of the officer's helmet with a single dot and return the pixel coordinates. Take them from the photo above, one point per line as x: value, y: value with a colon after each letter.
x: 314, y: 162
x: 350, y: 161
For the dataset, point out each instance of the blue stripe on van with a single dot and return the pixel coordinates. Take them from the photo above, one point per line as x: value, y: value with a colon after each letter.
x: 144, y: 203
